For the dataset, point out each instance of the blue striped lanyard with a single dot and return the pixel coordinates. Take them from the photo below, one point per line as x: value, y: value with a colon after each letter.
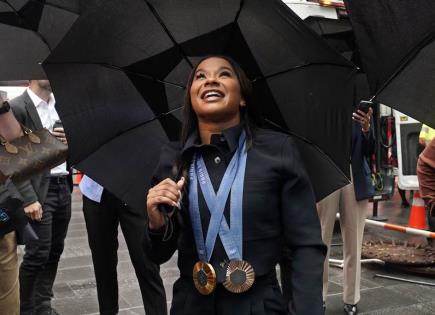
x: 233, y: 180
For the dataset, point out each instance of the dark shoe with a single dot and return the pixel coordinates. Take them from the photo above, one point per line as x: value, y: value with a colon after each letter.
x: 324, y: 306
x: 350, y: 309
x: 54, y: 312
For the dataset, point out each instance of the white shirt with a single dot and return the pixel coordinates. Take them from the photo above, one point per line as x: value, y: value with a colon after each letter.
x: 91, y: 189
x: 48, y: 115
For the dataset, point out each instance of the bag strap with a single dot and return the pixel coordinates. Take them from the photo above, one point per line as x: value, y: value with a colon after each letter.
x: 12, y: 149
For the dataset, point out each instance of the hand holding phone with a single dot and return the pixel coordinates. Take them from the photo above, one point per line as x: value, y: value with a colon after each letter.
x: 57, y: 124
x: 363, y: 114
x: 58, y: 131
x: 364, y: 106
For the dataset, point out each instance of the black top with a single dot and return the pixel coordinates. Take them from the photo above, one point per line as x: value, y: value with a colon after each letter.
x: 278, y: 209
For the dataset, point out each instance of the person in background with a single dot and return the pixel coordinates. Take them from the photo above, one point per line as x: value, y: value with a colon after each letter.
x: 351, y: 202
x: 103, y: 213
x: 426, y: 180
x: 426, y: 135
x: 12, y: 219
x: 35, y: 108
x: 9, y: 287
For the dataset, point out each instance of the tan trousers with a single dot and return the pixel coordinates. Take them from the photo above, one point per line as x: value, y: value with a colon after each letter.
x: 9, y: 285
x: 352, y: 221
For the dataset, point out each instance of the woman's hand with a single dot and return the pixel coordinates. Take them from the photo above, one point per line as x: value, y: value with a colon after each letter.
x: 168, y: 193
x: 363, y: 119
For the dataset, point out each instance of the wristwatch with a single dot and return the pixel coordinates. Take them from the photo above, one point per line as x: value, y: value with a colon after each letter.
x: 4, y: 108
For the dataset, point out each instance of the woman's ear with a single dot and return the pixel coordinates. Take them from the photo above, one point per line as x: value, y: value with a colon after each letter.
x: 242, y: 103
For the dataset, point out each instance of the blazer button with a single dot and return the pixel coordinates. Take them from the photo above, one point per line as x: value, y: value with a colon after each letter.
x: 217, y: 160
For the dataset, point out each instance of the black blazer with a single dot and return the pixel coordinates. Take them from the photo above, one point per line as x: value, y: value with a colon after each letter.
x: 278, y: 209
x: 25, y: 112
x: 362, y: 148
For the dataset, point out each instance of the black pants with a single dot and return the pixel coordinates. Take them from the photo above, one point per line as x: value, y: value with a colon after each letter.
x: 102, y: 221
x: 39, y: 267
x: 264, y: 298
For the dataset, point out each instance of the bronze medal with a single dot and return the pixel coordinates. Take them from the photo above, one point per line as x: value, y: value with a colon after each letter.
x: 240, y: 276
x: 204, y: 277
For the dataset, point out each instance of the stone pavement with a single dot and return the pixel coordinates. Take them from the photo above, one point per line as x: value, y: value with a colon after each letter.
x: 75, y: 289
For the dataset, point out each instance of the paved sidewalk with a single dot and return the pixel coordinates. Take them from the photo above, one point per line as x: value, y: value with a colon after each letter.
x: 75, y: 289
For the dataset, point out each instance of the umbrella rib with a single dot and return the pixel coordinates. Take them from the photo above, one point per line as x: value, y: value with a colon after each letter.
x: 134, y: 127
x: 160, y: 116
x: 242, y: 2
x: 299, y: 67
x: 165, y: 28
x: 107, y: 65
x: 306, y: 141
x: 404, y: 62
x: 27, y: 27
x: 146, y: 76
x: 54, y: 6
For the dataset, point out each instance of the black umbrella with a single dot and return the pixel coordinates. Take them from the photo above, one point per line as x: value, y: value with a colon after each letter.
x: 396, y: 40
x: 338, y: 33
x: 124, y: 64
x: 29, y: 30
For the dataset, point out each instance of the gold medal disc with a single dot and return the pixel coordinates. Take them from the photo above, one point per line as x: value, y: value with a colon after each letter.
x: 240, y: 276
x: 204, y: 277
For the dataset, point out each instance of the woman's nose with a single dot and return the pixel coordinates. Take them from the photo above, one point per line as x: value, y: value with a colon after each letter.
x: 211, y: 81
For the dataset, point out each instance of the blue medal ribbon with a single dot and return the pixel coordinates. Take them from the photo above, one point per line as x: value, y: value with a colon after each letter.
x: 233, y: 180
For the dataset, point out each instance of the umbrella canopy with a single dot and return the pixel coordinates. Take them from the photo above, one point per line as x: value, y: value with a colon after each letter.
x: 338, y: 33
x: 29, y: 30
x: 396, y: 40
x: 124, y: 64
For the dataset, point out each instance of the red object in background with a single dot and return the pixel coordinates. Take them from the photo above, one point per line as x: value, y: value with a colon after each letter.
x: 417, y: 216
x: 390, y: 157
x: 77, y: 177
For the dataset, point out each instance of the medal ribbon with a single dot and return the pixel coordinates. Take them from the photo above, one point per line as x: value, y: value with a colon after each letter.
x: 233, y: 181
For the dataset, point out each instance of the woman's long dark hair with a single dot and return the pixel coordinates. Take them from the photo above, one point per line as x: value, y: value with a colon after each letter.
x: 249, y: 113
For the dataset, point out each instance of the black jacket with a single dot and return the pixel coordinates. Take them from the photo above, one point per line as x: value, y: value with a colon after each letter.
x: 362, y: 149
x: 278, y: 209
x: 26, y: 113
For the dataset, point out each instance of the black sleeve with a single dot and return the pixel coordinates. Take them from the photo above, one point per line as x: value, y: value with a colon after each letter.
x: 302, y: 235
x: 163, y: 245
x: 27, y: 192
x: 368, y: 142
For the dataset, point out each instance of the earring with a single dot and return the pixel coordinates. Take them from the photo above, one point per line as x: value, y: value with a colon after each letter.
x: 242, y: 103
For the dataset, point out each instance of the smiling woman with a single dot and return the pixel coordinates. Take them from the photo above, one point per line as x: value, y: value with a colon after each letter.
x: 243, y: 191
x: 215, y: 94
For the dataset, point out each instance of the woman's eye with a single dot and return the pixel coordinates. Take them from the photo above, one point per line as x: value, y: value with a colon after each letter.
x: 200, y: 75
x: 225, y: 74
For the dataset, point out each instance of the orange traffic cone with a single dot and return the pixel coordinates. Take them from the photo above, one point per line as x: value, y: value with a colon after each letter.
x: 417, y: 216
x: 78, y: 177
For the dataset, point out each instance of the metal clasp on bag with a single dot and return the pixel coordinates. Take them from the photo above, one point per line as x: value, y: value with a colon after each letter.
x: 32, y: 137
x: 12, y: 149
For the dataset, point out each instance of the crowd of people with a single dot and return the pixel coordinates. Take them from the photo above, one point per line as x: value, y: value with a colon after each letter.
x: 234, y: 197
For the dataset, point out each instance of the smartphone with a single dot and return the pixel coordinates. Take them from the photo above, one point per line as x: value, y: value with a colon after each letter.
x: 57, y: 124
x: 364, y: 106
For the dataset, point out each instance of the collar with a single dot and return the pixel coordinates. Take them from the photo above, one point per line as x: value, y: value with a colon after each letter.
x: 231, y: 136
x: 37, y: 101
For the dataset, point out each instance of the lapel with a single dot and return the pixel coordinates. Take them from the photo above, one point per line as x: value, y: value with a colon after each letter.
x: 31, y: 110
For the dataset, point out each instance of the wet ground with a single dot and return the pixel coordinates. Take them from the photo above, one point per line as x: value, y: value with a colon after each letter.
x: 75, y: 289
